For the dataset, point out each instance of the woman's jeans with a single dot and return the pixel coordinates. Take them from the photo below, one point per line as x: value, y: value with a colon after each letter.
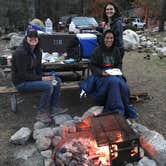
x: 113, y: 93
x: 49, y: 94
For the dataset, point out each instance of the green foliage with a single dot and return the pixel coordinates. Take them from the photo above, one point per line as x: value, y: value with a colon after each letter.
x: 18, y: 15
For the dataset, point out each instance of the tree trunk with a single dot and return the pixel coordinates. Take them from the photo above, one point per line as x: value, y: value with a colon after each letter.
x: 161, y: 25
x: 162, y: 16
x: 37, y: 9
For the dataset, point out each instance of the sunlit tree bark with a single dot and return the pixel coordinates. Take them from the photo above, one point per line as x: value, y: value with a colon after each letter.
x: 157, y: 7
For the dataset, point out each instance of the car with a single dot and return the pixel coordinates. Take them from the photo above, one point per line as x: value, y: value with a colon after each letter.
x: 137, y: 23
x: 82, y: 24
x: 63, y: 21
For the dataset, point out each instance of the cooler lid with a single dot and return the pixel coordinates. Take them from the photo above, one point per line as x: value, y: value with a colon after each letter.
x: 86, y: 36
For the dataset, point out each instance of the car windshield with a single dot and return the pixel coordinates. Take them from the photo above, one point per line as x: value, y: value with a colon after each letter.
x: 136, y: 19
x: 84, y: 21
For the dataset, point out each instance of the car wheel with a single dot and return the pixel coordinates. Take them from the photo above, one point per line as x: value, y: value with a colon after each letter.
x: 143, y: 28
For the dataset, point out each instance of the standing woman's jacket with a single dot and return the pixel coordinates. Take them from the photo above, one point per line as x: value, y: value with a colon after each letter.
x: 117, y: 28
x: 26, y: 64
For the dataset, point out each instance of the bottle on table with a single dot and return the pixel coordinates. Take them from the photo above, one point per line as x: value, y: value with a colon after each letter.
x: 48, y: 26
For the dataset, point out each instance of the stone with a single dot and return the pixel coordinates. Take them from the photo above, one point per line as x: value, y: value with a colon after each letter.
x: 39, y: 125
x: 58, y: 131
x: 44, y: 132
x: 146, y: 162
x: 60, y: 119
x: 48, y: 161
x: 46, y: 153
x: 21, y: 136
x: 155, y: 145
x: 131, y: 39
x: 55, y: 140
x: 139, y: 128
x: 25, y: 152
x: 43, y: 143
x: 70, y: 123
x: 15, y: 41
x: 35, y: 160
x: 95, y: 110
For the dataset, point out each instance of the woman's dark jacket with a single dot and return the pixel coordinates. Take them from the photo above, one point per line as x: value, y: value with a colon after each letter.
x: 102, y: 58
x: 117, y: 28
x: 26, y: 64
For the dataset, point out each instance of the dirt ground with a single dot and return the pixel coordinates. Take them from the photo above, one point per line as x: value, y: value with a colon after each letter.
x: 143, y: 76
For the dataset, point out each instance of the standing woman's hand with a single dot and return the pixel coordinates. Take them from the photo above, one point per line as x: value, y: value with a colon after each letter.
x: 92, y: 27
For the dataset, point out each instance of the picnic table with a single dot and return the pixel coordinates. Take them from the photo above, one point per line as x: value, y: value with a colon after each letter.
x: 56, y: 42
x: 80, y: 68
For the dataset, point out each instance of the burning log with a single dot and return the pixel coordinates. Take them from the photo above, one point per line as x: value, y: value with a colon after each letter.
x: 92, y: 157
x: 59, y: 162
x: 85, y: 124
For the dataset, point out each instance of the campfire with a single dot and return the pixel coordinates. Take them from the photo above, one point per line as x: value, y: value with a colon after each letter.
x: 104, y: 140
x: 83, y: 151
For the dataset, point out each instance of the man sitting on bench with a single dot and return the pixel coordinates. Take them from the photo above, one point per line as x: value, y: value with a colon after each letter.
x: 27, y: 76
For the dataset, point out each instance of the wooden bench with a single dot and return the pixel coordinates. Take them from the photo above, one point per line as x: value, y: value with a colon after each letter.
x: 78, y: 69
x: 13, y: 92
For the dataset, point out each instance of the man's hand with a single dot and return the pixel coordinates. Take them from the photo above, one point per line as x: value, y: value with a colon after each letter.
x: 48, y: 78
x: 82, y: 94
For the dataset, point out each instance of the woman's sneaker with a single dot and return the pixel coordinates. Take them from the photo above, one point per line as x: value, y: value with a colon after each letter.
x: 43, y: 117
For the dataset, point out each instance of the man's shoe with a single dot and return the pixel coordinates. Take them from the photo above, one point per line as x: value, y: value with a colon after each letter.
x: 43, y: 117
x: 58, y: 110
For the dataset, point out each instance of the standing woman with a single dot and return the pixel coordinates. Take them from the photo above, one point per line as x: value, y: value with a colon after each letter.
x: 27, y: 75
x: 113, y: 21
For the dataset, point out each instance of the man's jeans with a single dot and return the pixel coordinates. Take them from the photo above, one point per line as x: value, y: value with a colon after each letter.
x: 50, y: 94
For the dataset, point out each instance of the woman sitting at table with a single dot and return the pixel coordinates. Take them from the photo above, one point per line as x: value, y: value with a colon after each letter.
x: 107, y: 86
x: 27, y: 76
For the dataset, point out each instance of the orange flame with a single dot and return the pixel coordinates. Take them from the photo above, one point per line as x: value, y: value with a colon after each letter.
x: 104, y: 154
x: 134, y: 151
x: 101, y: 152
x: 114, y: 151
x: 119, y: 136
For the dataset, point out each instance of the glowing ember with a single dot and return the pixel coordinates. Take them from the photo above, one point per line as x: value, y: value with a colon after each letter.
x: 114, y: 151
x: 86, y: 151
